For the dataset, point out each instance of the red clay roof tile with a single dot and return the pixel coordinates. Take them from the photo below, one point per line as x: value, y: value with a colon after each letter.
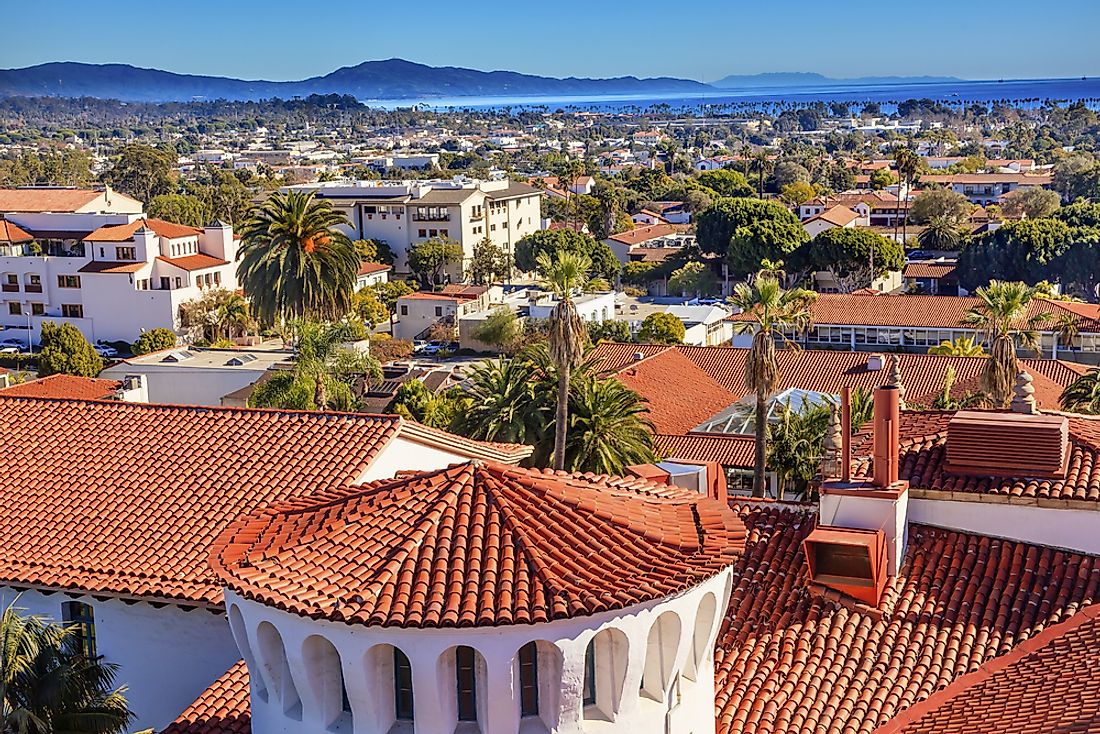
x: 223, y: 708
x: 198, y: 261
x: 64, y: 386
x: 348, y: 554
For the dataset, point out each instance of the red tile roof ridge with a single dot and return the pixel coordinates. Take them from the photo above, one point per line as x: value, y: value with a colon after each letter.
x: 987, y: 670
x: 494, y: 450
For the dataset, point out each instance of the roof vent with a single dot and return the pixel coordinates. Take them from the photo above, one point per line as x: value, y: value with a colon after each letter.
x: 875, y: 362
x: 852, y: 562
x: 241, y: 359
x: 178, y: 355
x: 1007, y: 445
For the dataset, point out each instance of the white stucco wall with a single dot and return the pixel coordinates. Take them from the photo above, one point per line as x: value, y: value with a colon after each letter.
x: 166, y: 656
x: 181, y: 385
x: 403, y: 454
x: 654, y: 670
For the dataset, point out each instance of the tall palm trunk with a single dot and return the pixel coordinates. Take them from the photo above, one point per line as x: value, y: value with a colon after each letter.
x: 759, y: 478
x: 561, y: 417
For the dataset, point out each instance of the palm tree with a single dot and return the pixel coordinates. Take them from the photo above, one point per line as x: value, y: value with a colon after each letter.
x: 963, y: 346
x: 908, y: 164
x: 235, y: 315
x: 566, y: 336
x: 48, y: 685
x: 608, y: 428
x: 940, y: 234
x: 503, y: 405
x: 295, y: 261
x: 1083, y: 394
x: 1002, y: 309
x: 772, y: 310
x: 1066, y: 329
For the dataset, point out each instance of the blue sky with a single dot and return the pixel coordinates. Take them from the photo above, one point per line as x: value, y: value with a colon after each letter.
x: 281, y: 39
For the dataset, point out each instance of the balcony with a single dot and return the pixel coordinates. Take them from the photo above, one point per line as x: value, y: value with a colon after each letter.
x: 9, y: 288
x: 429, y: 218
x: 33, y: 288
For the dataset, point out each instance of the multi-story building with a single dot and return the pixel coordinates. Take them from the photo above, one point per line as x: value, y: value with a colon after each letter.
x: 89, y: 258
x: 403, y: 213
x: 988, y: 188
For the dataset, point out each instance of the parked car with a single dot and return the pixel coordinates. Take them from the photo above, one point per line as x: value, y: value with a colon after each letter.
x: 18, y: 345
x: 106, y: 350
x: 10, y: 350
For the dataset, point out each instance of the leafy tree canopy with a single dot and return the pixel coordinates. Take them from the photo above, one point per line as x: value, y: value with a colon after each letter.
x: 555, y: 241
x: 748, y: 231
x: 154, y: 340
x: 65, y: 351
x: 726, y: 182
x: 661, y: 328
x: 430, y: 259
x: 846, y: 251
x: 933, y: 203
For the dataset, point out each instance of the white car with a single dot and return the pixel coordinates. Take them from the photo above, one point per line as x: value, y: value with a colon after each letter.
x: 106, y: 350
x: 12, y: 344
x: 10, y: 350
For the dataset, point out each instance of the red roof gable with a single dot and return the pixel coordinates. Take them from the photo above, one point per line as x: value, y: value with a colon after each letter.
x: 680, y: 396
x: 11, y: 232
x: 199, y: 261
x: 385, y: 554
x: 125, y: 232
x: 64, y: 386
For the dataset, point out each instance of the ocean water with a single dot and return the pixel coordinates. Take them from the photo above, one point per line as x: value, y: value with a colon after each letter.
x: 1024, y: 92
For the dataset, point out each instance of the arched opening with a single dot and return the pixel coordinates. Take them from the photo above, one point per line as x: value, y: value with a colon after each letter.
x: 389, y: 692
x: 700, y: 637
x: 538, y: 683
x: 240, y: 636
x: 605, y: 663
x: 276, y: 669
x: 660, y: 656
x: 326, y: 680
x: 462, y: 686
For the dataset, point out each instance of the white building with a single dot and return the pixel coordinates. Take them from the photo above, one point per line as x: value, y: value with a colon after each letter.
x: 372, y: 274
x: 704, y: 326
x: 147, y: 489
x: 403, y: 213
x: 547, y: 634
x: 112, y: 274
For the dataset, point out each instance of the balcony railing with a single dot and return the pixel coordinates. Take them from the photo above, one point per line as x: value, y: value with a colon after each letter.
x: 9, y: 288
x: 427, y: 218
x: 32, y: 288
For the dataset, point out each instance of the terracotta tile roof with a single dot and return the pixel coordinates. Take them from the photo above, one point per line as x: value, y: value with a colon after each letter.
x: 425, y: 296
x: 199, y: 261
x: 829, y: 371
x: 1048, y: 685
x: 923, y: 446
x: 726, y: 449
x: 679, y: 394
x: 11, y: 232
x: 153, y: 527
x: 368, y: 268
x: 64, y: 386
x: 789, y: 660
x: 111, y: 266
x: 46, y: 199
x: 223, y: 708
x: 1023, y: 179
x: 644, y: 234
x: 929, y: 270
x: 125, y: 232
x: 925, y: 311
x: 839, y: 215
x: 477, y: 544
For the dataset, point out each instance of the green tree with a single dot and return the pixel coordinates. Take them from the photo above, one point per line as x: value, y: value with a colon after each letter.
x: 726, y: 182
x: 143, y: 171
x: 882, y: 178
x: 797, y: 193
x: 48, y: 684
x: 389, y: 292
x: 789, y: 172
x: 441, y: 410
x: 748, y: 231
x: 1021, y: 250
x: 504, y: 404
x: 65, y: 351
x: 1031, y: 202
x: 367, y: 306
x: 771, y: 310
x: 179, y: 208
x: 1002, y: 317
x: 933, y: 204
x: 608, y: 429
x: 295, y: 261
x: 325, y: 373
x: 847, y: 254
x: 490, y: 263
x: 693, y: 279
x: 564, y: 275
x: 216, y: 314
x: 940, y: 234
x: 501, y: 329
x: 154, y: 340
x: 661, y: 328
x: 1083, y: 394
x: 963, y: 346
x: 374, y: 251
x: 611, y: 330
x: 429, y: 260
x: 554, y: 242
x: 908, y: 165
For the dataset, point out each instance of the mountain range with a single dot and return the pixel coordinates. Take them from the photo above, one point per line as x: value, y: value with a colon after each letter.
x: 389, y: 79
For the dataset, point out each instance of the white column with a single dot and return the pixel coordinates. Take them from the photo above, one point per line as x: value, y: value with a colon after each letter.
x: 502, y: 703
x: 571, y: 714
x: 313, y: 713
x: 434, y: 705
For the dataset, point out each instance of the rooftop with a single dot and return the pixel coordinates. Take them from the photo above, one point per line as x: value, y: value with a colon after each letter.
x: 42, y: 199
x: 392, y: 553
x: 64, y: 386
x: 125, y: 232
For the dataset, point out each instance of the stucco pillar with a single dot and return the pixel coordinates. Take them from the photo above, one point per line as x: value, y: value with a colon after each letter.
x: 433, y: 699
x: 313, y: 714
x: 501, y: 681
x: 571, y: 713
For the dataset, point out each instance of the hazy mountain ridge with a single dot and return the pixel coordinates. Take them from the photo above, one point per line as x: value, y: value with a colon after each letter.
x: 807, y: 79
x: 390, y: 79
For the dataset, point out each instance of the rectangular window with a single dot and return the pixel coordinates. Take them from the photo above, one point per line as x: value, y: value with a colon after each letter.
x: 404, y: 310
x: 588, y: 693
x: 125, y: 253
x: 12, y: 279
x: 423, y: 233
x: 72, y: 310
x: 165, y: 283
x: 68, y: 281
x: 467, y: 683
x: 37, y: 309
x: 529, y: 680
x: 402, y: 686
x: 217, y: 278
x: 80, y: 616
x: 438, y: 310
x: 179, y: 282
x: 15, y: 309
x: 35, y: 279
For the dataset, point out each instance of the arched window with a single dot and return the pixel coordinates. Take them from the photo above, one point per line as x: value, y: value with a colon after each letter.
x: 326, y: 677
x: 236, y: 626
x: 529, y: 679
x: 605, y: 663
x: 402, y: 686
x: 700, y: 639
x: 589, y: 693
x: 660, y: 655
x: 466, y: 678
x: 277, y: 668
